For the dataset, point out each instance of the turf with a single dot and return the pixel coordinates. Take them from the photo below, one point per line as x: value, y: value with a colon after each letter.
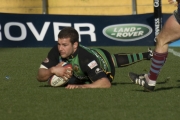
x: 22, y: 97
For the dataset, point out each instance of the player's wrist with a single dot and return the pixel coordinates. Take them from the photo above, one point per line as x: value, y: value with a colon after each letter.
x: 52, y: 70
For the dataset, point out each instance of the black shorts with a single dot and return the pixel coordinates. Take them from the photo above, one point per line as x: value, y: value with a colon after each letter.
x: 177, y: 16
x: 108, y: 56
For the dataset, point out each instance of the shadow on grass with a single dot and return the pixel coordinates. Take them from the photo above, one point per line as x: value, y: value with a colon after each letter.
x: 45, y: 86
x: 178, y: 80
x: 156, y: 90
x: 130, y: 83
x: 48, y: 86
x: 159, y: 89
x: 166, y: 81
x: 166, y: 88
x: 121, y: 83
x: 127, y: 83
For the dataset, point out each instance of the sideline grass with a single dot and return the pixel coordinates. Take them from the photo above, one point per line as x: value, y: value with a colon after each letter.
x: 23, y: 98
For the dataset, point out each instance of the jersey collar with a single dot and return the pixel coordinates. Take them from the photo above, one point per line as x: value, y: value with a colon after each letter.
x: 74, y: 54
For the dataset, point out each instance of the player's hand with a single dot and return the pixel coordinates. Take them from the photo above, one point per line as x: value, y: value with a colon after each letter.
x: 61, y: 71
x: 173, y: 2
x: 72, y: 86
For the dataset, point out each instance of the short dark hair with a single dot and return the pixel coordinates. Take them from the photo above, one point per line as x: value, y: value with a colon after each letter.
x: 69, y: 32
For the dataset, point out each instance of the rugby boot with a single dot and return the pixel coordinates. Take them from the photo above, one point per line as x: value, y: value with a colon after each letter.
x: 141, y: 80
x: 150, y: 53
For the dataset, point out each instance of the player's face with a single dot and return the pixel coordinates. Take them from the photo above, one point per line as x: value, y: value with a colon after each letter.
x: 65, y: 47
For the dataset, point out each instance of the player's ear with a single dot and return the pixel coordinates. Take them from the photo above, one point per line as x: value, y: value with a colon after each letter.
x: 75, y: 45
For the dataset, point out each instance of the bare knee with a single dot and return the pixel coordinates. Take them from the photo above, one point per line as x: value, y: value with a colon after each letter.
x: 160, y: 41
x: 161, y: 45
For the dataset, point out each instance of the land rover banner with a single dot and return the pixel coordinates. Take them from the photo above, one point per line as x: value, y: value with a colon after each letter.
x: 32, y: 30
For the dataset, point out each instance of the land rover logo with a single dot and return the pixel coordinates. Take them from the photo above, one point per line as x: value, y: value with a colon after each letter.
x: 127, y: 32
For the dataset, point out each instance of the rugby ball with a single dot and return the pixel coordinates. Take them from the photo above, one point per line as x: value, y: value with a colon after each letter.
x: 56, y: 81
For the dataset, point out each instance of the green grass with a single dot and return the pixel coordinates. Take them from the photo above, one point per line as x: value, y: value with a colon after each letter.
x: 22, y: 97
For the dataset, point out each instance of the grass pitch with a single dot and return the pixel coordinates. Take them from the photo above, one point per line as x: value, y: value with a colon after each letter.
x: 22, y: 97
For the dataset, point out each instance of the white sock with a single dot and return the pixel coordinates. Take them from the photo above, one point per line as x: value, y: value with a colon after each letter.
x: 149, y: 81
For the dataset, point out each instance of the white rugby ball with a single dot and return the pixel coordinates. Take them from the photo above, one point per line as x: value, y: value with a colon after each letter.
x: 56, y: 81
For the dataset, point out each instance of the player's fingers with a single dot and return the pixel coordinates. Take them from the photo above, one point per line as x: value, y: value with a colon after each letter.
x: 68, y: 76
x: 67, y: 87
x: 69, y: 72
x: 170, y: 1
x: 69, y: 69
x: 71, y: 87
x: 65, y: 78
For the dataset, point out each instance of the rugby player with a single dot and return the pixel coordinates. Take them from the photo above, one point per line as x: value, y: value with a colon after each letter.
x: 93, y: 66
x: 169, y: 33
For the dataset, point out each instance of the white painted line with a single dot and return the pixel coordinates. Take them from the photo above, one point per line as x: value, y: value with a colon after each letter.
x: 174, y: 52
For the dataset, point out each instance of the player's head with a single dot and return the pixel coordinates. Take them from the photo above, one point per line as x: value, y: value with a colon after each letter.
x: 69, y: 32
x: 68, y: 41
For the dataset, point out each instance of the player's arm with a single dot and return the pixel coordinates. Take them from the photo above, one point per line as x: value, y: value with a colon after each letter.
x: 50, y: 66
x: 44, y: 73
x: 45, y: 70
x: 100, y: 83
x: 175, y: 2
x: 95, y: 73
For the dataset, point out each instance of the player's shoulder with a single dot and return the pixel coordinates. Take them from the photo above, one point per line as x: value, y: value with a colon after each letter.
x: 86, y: 55
x: 85, y: 52
x: 54, y: 49
x: 53, y: 53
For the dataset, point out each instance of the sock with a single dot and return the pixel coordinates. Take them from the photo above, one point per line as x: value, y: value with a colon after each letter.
x: 157, y: 63
x: 124, y: 59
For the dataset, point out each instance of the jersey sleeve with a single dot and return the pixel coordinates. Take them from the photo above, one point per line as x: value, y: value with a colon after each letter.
x: 52, y: 58
x: 91, y: 67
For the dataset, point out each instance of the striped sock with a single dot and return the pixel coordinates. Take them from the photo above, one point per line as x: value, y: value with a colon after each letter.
x: 123, y: 59
x: 156, y: 65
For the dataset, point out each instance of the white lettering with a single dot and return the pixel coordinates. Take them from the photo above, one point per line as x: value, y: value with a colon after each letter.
x: 115, y: 30
x: 140, y: 33
x: 157, y: 26
x: 133, y: 29
x: 126, y: 29
x: 156, y: 3
x: 56, y: 26
x: 20, y: 25
x: 90, y: 32
x: 38, y: 36
x: 130, y: 34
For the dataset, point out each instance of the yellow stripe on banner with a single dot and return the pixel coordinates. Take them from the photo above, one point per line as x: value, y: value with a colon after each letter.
x: 82, y: 7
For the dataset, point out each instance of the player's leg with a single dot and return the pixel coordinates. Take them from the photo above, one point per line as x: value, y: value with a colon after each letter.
x: 169, y: 33
x: 124, y: 59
